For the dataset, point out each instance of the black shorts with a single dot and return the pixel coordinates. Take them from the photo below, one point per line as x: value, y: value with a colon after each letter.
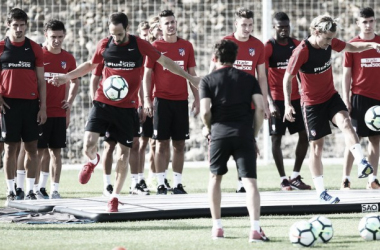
x: 20, y: 121
x: 147, y: 127
x: 118, y: 122
x: 242, y: 149
x: 53, y: 133
x: 360, y: 104
x: 170, y: 119
x: 278, y: 127
x: 317, y: 117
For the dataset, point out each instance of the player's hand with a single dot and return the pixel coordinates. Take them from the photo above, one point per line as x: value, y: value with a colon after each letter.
x: 274, y: 110
x: 266, y: 112
x: 59, y: 80
x: 288, y: 114
x: 195, y: 108
x: 148, y: 107
x: 66, y: 104
x: 206, y: 132
x: 348, y: 105
x: 41, y: 116
x: 142, y: 115
x: 3, y: 105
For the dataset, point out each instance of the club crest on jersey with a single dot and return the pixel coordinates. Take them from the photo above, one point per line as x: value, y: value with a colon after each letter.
x: 181, y: 52
x: 313, y: 133
x: 251, y: 51
x: 63, y: 65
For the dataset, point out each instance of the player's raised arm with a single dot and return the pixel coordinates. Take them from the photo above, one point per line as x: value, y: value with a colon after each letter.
x: 81, y: 70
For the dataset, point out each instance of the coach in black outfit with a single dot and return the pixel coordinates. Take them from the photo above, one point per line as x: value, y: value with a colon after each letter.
x: 226, y: 96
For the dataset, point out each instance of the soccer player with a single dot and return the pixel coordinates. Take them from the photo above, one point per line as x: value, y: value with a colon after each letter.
x: 22, y: 99
x: 143, y: 30
x: 59, y: 101
x: 122, y: 54
x: 361, y: 74
x: 250, y: 57
x: 226, y: 97
x: 171, y: 115
x: 277, y: 53
x: 320, y: 101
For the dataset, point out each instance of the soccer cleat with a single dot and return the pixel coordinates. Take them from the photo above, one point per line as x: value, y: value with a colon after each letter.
x: 364, y: 168
x: 298, y: 184
x: 55, y: 195
x: 325, y: 198
x: 346, y: 185
x: 87, y: 170
x: 256, y: 236
x: 241, y: 190
x: 162, y: 190
x: 31, y: 196
x: 113, y: 205
x: 373, y: 185
x: 143, y: 185
x: 20, y: 195
x: 44, y: 193
x: 138, y: 190
x: 285, y: 185
x: 179, y: 190
x: 167, y: 185
x: 108, y: 190
x: 10, y: 197
x: 217, y: 233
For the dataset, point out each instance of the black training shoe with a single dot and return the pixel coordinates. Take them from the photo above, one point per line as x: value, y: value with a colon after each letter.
x: 179, y: 190
x: 167, y: 185
x: 20, y: 195
x: 138, y: 190
x: 162, y: 190
x: 108, y: 190
x: 10, y: 197
x: 241, y: 190
x: 143, y: 185
x: 31, y: 196
x: 44, y: 193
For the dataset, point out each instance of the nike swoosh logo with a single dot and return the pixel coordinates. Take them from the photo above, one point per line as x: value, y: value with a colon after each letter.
x: 27, y: 48
x: 46, y: 63
x: 41, y: 134
x: 163, y: 53
x: 130, y: 49
x: 187, y: 135
x: 129, y: 141
x: 291, y: 47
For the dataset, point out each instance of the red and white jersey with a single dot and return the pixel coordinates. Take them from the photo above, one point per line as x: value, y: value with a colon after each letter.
x: 124, y: 60
x: 365, y: 69
x: 18, y: 60
x: 250, y: 54
x: 56, y: 64
x: 168, y: 85
x: 314, y: 68
x: 276, y: 60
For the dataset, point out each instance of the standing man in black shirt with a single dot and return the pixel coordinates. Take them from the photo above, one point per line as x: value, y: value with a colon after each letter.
x: 226, y: 96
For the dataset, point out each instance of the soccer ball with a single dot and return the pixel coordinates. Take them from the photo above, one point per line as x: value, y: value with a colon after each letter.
x: 369, y: 227
x: 115, y: 88
x: 323, y: 227
x: 302, y: 234
x: 372, y: 118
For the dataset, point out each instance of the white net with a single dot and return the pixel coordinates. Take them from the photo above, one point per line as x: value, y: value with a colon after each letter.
x: 201, y: 22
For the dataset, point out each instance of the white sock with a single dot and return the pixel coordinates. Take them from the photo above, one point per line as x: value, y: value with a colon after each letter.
x: 140, y: 177
x: 44, y: 176
x: 371, y: 178
x: 177, y: 179
x: 217, y: 223
x: 166, y: 173
x: 11, y: 185
x: 283, y: 178
x: 319, y: 184
x: 114, y: 195
x: 29, y: 184
x: 94, y: 161
x: 255, y: 225
x: 357, y: 152
x: 160, y: 178
x: 294, y: 175
x: 346, y: 177
x: 133, y: 180
x: 35, y: 188
x: 21, y: 178
x: 54, y: 187
x: 240, y: 185
x: 106, y: 180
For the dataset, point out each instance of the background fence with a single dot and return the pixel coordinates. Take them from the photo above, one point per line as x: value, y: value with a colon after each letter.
x: 200, y: 22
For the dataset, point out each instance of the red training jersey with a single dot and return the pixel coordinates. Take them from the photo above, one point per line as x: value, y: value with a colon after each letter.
x: 56, y: 64
x: 277, y: 70
x: 314, y: 68
x: 128, y: 70
x: 20, y: 82
x: 365, y: 69
x: 168, y: 85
